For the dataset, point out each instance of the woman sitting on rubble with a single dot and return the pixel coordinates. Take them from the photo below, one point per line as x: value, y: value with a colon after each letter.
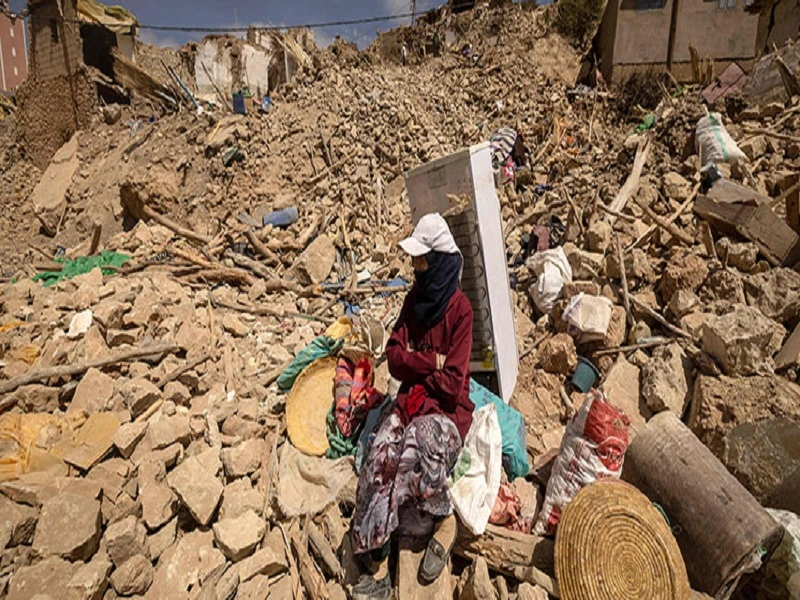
x: 404, y: 478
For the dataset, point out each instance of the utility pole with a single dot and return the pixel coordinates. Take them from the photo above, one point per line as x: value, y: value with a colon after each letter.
x: 413, y: 11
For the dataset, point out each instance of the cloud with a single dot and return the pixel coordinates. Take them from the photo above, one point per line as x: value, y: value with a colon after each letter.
x: 155, y: 38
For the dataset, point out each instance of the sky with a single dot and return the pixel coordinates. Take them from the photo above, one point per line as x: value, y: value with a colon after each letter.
x: 241, y: 13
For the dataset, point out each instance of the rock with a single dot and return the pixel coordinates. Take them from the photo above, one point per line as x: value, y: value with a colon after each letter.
x: 69, y: 527
x: 617, y: 328
x: 585, y: 265
x: 621, y: 386
x: 128, y: 436
x: 237, y: 537
x: 637, y: 266
x: 110, y: 313
x: 36, y: 398
x: 683, y: 302
x: 91, y: 579
x: 169, y: 430
x: 162, y: 539
x: 243, y: 459
x: 269, y: 561
x: 771, y: 110
x: 752, y: 425
x: 683, y: 272
x: 742, y: 256
x: 742, y: 341
x: 236, y: 426
x: 694, y: 322
x: 557, y: 354
x: 185, y: 565
x: 159, y: 503
x: 45, y: 579
x: 111, y: 475
x: 83, y: 487
x: 282, y: 588
x: 721, y: 289
x: 233, y: 325
x: 126, y: 538
x: 133, y: 577
x: 315, y: 263
x: 93, y: 394
x: 226, y: 587
x: 49, y: 197
x: 754, y: 147
x: 79, y: 324
x: 599, y: 236
x: 676, y: 187
x: 239, y: 497
x: 197, y: 490
x: 178, y: 393
x: 475, y: 583
x: 139, y: 394
x: 667, y: 380
x: 17, y: 523
x: 255, y: 589
x: 112, y: 113
x: 776, y: 293
x: 526, y: 591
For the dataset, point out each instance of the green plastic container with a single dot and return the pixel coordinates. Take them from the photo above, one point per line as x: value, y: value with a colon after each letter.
x: 585, y: 375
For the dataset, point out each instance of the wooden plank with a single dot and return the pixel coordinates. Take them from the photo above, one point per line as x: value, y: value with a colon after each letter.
x: 506, y: 551
x: 631, y: 184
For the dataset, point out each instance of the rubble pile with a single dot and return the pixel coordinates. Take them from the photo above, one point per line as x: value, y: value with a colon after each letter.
x: 142, y: 434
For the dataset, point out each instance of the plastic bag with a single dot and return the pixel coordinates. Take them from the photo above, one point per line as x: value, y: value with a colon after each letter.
x: 476, y: 479
x: 320, y: 347
x: 593, y: 447
x: 588, y: 316
x: 512, y: 428
x: 552, y: 270
x: 713, y: 142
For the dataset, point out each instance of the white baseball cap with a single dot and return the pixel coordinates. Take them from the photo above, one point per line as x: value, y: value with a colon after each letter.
x: 430, y: 234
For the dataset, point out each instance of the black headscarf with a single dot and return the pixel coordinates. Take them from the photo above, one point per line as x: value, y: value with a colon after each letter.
x: 435, y: 286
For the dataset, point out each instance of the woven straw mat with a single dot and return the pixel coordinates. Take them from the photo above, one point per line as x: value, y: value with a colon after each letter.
x: 308, y: 404
x: 612, y: 544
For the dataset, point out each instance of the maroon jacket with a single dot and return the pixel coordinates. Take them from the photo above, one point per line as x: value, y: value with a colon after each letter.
x: 447, y: 389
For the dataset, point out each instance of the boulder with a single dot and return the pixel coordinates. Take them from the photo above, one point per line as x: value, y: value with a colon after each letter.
x: 197, y: 489
x: 269, y: 561
x: 49, y: 197
x: 45, y: 579
x: 162, y: 539
x: 752, y: 425
x: 721, y: 289
x: 133, y: 577
x: 125, y: 539
x: 91, y: 579
x: 159, y: 503
x: 315, y: 263
x: 69, y: 527
x: 742, y: 341
x: 667, y: 380
x: 243, y: 459
x: 557, y: 354
x: 754, y: 147
x: 237, y: 537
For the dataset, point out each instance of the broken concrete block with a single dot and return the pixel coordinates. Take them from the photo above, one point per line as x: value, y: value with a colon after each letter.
x: 255, y: 589
x: 621, y: 387
x: 743, y: 341
x: 139, y: 394
x: 238, y: 497
x: 676, y: 187
x: 315, y: 263
x: 169, y: 430
x: 159, y: 503
x: 752, y: 425
x: 197, y: 490
x: 128, y: 436
x: 133, y: 577
x: 125, y: 539
x: 237, y: 537
x: 683, y: 302
x: 667, y: 380
x: 683, y: 272
x: 599, y: 236
x: 185, y: 565
x: 269, y: 561
x: 93, y: 394
x: 475, y: 583
x: 776, y: 293
x: 17, y: 523
x: 233, y: 325
x: 243, y: 459
x: 91, y: 579
x: 42, y: 579
x: 754, y: 147
x: 49, y: 197
x: 557, y: 354
x: 69, y: 527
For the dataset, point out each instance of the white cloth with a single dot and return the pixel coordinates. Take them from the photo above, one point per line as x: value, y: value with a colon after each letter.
x: 552, y: 270
x: 474, y: 493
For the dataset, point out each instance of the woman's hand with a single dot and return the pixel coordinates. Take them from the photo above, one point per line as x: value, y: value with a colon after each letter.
x: 440, y: 360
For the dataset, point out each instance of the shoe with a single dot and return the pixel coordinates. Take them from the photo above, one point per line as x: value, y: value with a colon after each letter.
x: 435, y: 559
x: 369, y: 588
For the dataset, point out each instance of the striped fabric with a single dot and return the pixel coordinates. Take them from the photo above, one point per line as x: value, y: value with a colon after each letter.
x: 502, y: 142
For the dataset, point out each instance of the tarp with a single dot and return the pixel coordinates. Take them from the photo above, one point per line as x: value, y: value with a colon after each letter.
x: 115, y: 18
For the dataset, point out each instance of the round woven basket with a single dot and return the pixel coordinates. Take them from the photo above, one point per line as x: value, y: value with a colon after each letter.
x: 307, y: 407
x: 612, y: 544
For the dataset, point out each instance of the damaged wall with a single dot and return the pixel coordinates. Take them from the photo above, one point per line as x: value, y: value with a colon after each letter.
x: 55, y: 43
x: 778, y: 24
